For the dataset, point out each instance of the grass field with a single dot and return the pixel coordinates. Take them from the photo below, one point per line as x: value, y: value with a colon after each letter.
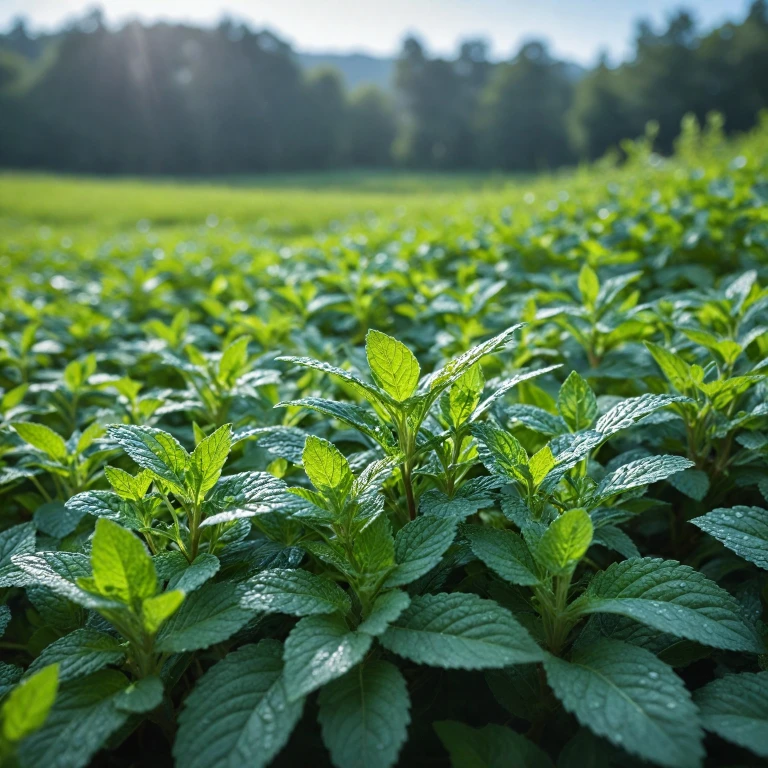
x: 291, y: 204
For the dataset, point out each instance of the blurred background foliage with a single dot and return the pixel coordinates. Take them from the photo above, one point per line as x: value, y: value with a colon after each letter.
x: 178, y: 99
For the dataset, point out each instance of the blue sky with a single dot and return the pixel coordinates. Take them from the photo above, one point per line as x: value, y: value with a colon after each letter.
x: 577, y: 29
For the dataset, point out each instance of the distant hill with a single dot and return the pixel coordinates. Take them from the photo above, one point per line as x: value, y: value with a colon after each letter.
x: 356, y: 68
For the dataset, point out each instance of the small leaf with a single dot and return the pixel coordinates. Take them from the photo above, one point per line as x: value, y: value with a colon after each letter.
x: 326, y: 467
x: 122, y: 567
x: 565, y: 542
x: 392, y: 364
x: 43, y: 438
x: 677, y: 371
x: 142, y: 696
x: 501, y: 452
x: 505, y: 553
x: 155, y: 611
x: 208, y: 459
x: 419, y: 546
x: 154, y: 450
x: 577, y: 403
x: 27, y: 706
x: 589, y: 285
x: 386, y: 608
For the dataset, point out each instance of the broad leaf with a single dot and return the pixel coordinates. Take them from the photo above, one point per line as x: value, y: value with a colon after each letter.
x: 577, y: 402
x: 460, y: 631
x: 296, y: 592
x: 565, y: 541
x: 364, y: 716
x: 392, y: 364
x: 419, y: 546
x: 625, y: 694
x: 735, y: 707
x: 744, y: 530
x: 320, y: 649
x: 80, y: 653
x: 505, y: 553
x: 672, y: 598
x: 239, y: 713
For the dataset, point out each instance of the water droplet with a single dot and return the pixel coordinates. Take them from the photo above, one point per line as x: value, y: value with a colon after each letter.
x: 671, y: 705
x: 653, y: 675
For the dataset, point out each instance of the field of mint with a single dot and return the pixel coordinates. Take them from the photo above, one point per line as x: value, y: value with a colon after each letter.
x: 480, y: 490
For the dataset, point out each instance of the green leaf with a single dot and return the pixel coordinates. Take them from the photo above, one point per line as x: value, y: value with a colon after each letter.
x: 589, y: 285
x: 460, y: 631
x: 453, y: 370
x: 209, y: 615
x: 392, y: 364
x: 735, y: 707
x: 386, y: 608
x: 744, y: 530
x: 9, y: 676
x: 419, y: 546
x: 142, y: 696
x: 155, y: 611
x: 540, y: 464
x: 645, y: 471
x: 58, y: 571
x: 493, y: 746
x: 238, y: 713
x: 464, y: 395
x: 43, y: 438
x: 677, y: 371
x: 245, y: 495
x: 326, y: 467
x: 180, y: 574
x: 27, y: 706
x: 364, y: 716
x: 362, y: 419
x: 320, y: 649
x: 80, y: 653
x: 509, y: 384
x: 363, y: 388
x: 122, y: 567
x: 577, y: 403
x: 501, y: 453
x: 127, y: 486
x: 625, y: 694
x: 565, y: 541
x: 208, y: 460
x: 57, y: 520
x: 296, y: 592
x: 630, y: 411
x: 694, y: 483
x: 233, y: 359
x: 374, y: 547
x: 83, y: 717
x: 107, y: 505
x: 154, y: 450
x: 504, y: 552
x: 672, y: 598
x: 17, y: 540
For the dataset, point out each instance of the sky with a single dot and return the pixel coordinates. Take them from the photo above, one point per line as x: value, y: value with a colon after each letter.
x: 576, y: 29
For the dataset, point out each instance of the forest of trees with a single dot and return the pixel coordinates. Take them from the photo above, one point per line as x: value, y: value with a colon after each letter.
x: 176, y: 99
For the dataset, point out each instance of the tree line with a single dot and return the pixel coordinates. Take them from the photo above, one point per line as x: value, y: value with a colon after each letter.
x: 174, y: 99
